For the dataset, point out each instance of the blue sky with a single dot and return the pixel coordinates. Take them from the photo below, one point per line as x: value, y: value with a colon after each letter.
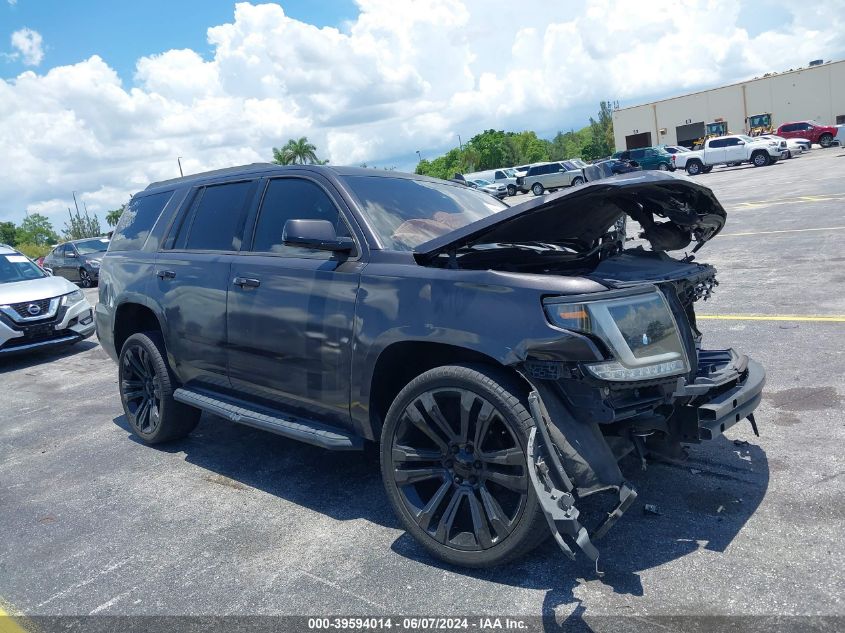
x: 101, y: 97
x: 121, y: 31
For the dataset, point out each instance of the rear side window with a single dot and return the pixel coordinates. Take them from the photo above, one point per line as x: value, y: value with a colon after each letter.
x: 293, y: 199
x: 215, y: 219
x: 637, y: 153
x: 137, y: 221
x: 499, y: 174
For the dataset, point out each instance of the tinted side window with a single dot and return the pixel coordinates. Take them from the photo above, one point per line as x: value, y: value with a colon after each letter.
x: 637, y: 153
x: 215, y: 220
x: 730, y: 142
x: 789, y: 127
x: 717, y: 143
x: 292, y: 199
x: 137, y: 221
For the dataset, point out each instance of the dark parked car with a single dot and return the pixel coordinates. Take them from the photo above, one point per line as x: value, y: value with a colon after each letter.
x: 504, y: 357
x: 648, y: 158
x: 78, y: 261
x: 611, y: 167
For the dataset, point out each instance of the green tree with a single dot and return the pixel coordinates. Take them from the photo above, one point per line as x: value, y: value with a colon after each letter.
x: 113, y: 216
x: 296, y: 152
x: 81, y: 226
x: 36, y: 229
x: 8, y: 233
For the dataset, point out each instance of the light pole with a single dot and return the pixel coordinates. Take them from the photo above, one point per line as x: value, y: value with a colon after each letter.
x: 179, y: 160
x: 419, y: 155
x: 459, y: 143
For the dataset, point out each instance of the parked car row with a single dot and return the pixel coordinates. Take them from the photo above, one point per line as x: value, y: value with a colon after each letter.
x: 731, y: 150
x: 38, y: 310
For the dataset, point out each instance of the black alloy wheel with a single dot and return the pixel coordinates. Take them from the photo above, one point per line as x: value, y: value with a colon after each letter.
x: 454, y: 463
x: 146, y: 391
x: 85, y: 279
x: 140, y: 387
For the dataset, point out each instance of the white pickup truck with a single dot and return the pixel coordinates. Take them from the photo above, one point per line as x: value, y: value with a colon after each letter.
x: 730, y: 150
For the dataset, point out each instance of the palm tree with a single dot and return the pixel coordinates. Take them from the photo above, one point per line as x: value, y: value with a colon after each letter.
x: 296, y: 152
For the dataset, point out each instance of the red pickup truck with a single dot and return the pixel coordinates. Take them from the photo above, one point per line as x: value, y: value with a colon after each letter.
x: 814, y: 132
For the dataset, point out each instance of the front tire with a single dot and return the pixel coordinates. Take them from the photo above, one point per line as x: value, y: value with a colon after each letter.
x: 537, y: 189
x: 453, y: 461
x: 85, y: 279
x: 760, y: 159
x: 577, y: 181
x: 825, y: 139
x: 146, y: 392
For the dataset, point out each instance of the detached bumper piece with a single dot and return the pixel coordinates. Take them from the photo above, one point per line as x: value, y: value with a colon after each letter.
x: 728, y: 389
x: 557, y: 492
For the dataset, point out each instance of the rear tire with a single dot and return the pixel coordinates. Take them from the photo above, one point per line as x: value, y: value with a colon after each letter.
x: 146, y: 391
x: 458, y: 481
x: 694, y: 167
x: 537, y: 189
x: 663, y: 167
x: 707, y: 169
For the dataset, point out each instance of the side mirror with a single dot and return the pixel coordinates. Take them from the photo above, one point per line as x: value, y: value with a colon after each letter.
x: 49, y: 271
x: 70, y: 254
x: 740, y: 142
x: 317, y: 234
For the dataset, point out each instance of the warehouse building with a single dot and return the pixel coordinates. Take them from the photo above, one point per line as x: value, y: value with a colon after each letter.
x: 813, y: 93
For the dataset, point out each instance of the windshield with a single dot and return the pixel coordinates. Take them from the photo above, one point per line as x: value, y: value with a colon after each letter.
x: 578, y: 162
x: 481, y: 182
x: 510, y: 173
x: 404, y: 212
x: 16, y: 267
x: 98, y: 245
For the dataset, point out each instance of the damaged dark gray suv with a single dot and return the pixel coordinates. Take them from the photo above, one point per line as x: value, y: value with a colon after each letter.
x: 505, y: 358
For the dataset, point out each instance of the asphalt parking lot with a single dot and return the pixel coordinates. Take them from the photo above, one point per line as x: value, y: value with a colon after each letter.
x: 235, y: 521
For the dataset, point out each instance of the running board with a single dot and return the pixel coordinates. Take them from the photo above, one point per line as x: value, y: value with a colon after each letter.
x: 300, y: 429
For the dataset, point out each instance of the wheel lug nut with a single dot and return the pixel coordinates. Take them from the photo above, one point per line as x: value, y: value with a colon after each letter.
x: 469, y: 448
x: 455, y: 449
x: 458, y: 479
x: 477, y: 464
x: 448, y: 463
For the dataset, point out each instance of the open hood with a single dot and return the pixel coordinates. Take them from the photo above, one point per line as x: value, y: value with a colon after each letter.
x: 672, y: 210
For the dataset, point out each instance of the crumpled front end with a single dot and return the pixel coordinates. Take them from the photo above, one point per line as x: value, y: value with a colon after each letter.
x: 655, y: 390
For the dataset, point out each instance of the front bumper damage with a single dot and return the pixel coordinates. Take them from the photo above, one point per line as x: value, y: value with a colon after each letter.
x: 570, y: 458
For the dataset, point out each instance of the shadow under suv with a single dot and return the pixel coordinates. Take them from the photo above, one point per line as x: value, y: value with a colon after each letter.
x: 505, y: 358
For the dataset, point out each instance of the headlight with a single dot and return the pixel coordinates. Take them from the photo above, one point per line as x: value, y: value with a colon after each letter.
x: 73, y: 297
x: 94, y: 263
x: 639, y: 330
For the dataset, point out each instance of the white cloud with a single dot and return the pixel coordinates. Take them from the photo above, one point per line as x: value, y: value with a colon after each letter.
x: 12, y: 2
x: 405, y: 75
x: 28, y: 44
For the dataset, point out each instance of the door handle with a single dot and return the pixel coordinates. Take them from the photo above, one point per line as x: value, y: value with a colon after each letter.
x: 246, y: 282
x: 166, y: 274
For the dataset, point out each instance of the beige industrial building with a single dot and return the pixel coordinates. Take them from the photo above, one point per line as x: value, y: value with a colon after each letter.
x: 816, y: 92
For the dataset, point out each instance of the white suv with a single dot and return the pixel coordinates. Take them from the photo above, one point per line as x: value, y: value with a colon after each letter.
x: 550, y: 176
x: 37, y: 310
